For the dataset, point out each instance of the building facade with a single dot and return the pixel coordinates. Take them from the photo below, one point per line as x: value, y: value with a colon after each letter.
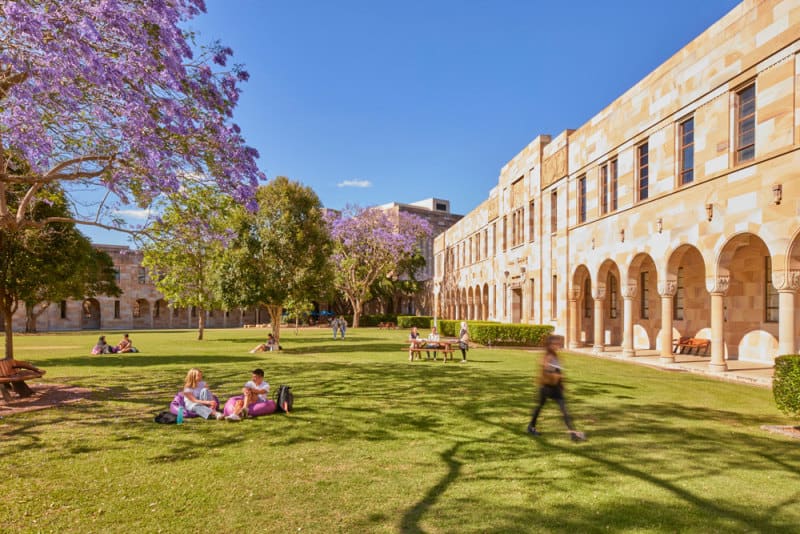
x: 675, y: 211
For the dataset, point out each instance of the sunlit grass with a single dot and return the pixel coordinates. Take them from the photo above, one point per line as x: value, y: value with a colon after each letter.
x: 380, y: 444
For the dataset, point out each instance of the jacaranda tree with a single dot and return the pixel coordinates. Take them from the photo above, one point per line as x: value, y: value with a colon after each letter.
x: 370, y: 244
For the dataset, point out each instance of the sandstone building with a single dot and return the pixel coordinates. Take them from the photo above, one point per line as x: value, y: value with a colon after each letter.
x: 673, y: 212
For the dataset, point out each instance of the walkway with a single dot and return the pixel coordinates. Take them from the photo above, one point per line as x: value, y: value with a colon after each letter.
x: 753, y: 373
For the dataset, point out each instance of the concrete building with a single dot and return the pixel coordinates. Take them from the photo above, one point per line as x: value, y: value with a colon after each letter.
x: 675, y: 211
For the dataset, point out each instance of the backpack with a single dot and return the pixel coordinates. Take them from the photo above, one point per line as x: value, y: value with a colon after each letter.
x: 284, y: 398
x: 166, y: 418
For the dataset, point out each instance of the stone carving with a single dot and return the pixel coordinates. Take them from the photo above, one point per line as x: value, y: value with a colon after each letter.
x: 719, y: 284
x: 554, y: 167
x: 629, y: 290
x: 786, y: 280
x: 574, y: 293
x: 667, y: 288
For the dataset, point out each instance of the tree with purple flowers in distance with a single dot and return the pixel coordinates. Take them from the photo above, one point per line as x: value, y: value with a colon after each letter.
x: 370, y: 244
x: 113, y: 98
x: 185, y: 246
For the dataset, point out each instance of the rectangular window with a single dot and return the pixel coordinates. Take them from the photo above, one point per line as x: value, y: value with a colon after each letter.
x: 612, y: 178
x: 643, y: 171
x: 554, y: 298
x: 485, y: 243
x: 533, y: 298
x: 63, y: 309
x: 644, y: 295
x: 770, y: 293
x: 531, y: 222
x: 746, y: 124
x: 116, y: 274
x: 677, y: 300
x: 686, y: 151
x: 142, y: 275
x: 494, y: 237
x: 157, y: 309
x: 554, y: 211
x: 470, y: 257
x: 116, y: 309
x: 613, y: 297
x: 603, y: 190
x: 505, y: 233
x: 582, y: 199
x: 478, y: 246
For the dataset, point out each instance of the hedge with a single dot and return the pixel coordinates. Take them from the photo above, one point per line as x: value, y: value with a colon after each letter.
x: 372, y: 319
x: 420, y: 321
x: 494, y: 333
x: 786, y: 384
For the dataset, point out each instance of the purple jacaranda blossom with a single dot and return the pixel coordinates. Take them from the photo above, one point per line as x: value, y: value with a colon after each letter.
x: 110, y: 94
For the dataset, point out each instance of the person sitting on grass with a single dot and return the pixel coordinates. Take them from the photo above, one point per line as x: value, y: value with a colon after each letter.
x: 197, y: 398
x: 270, y: 345
x: 255, y: 390
x: 125, y: 345
x: 102, y: 347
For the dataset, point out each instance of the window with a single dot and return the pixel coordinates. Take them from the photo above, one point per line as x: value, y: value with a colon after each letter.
x: 533, y: 297
x: 686, y: 151
x: 677, y: 300
x: 470, y: 257
x: 531, y: 221
x: 554, y: 211
x: 643, y: 171
x: 63, y: 306
x: 485, y: 243
x: 494, y: 237
x: 157, y: 309
x: 746, y: 124
x: 608, y: 187
x: 582, y: 199
x: 613, y: 296
x: 441, y: 207
x: 770, y: 294
x: 554, y: 298
x: 142, y: 275
x: 505, y: 233
x: 116, y: 309
x: 194, y: 311
x: 137, y: 309
x: 478, y: 246
x: 116, y: 275
x: 587, y: 295
x: 517, y: 227
x: 644, y: 295
x: 505, y: 300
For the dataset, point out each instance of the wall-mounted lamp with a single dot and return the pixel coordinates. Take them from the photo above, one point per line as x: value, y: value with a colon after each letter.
x: 777, y: 193
x: 710, y: 211
x: 506, y: 273
x: 622, y: 235
x: 592, y: 243
x: 659, y: 224
x: 523, y: 269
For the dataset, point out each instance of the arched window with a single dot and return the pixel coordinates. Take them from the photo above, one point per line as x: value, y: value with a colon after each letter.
x: 612, y: 296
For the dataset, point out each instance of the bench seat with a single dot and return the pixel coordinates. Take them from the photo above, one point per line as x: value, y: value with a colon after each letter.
x: 15, y: 373
x: 691, y: 345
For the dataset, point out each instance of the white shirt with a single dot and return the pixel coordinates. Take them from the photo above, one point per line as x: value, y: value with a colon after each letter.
x: 252, y: 385
x: 196, y: 391
x: 433, y: 337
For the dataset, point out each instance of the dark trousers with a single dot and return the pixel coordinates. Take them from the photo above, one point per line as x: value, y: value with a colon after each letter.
x: 555, y: 393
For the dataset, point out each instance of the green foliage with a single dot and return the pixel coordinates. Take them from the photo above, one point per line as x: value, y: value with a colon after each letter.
x: 373, y: 319
x: 494, y: 333
x: 420, y: 321
x: 786, y: 384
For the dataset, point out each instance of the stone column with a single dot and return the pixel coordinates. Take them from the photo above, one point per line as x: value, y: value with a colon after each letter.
x: 628, y: 293
x: 787, y: 285
x: 717, y: 287
x: 666, y: 290
x: 599, y: 295
x: 572, y: 329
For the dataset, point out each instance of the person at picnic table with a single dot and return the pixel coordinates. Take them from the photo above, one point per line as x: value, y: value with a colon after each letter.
x: 197, y: 397
x: 415, y: 341
x: 102, y: 347
x: 433, y: 343
x: 255, y: 390
x: 125, y: 345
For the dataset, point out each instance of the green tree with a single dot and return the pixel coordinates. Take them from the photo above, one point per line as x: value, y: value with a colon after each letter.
x: 185, y: 247
x: 282, y: 252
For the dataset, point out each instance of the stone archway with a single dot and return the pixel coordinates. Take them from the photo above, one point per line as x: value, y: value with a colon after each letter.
x: 90, y: 315
x: 141, y: 314
x: 160, y: 314
x: 684, y: 299
x: 581, y: 315
x: 607, y: 307
x: 641, y: 287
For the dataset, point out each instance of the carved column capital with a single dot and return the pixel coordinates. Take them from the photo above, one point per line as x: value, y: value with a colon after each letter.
x: 718, y: 285
x: 599, y: 291
x: 786, y: 280
x: 574, y: 293
x: 668, y: 287
x: 628, y: 289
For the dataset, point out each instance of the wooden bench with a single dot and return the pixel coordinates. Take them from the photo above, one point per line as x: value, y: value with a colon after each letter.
x: 445, y: 349
x: 691, y: 345
x: 13, y: 374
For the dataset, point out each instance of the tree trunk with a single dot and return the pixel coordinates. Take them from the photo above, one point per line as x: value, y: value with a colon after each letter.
x: 31, y: 316
x: 357, y: 305
x: 8, y: 327
x: 201, y: 322
x: 275, y: 311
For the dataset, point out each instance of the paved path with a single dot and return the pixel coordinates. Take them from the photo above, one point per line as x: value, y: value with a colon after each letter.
x: 754, y: 373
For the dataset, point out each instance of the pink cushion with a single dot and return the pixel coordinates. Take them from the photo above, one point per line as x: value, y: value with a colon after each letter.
x: 254, y: 410
x: 178, y: 402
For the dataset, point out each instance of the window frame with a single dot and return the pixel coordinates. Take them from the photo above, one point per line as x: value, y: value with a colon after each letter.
x: 643, y: 171
x: 685, y: 175
x: 644, y: 295
x: 740, y: 121
x: 771, y: 311
x: 582, y: 199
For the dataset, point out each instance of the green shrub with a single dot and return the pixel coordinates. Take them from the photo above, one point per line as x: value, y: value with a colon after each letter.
x: 372, y: 319
x: 494, y: 333
x: 420, y: 321
x: 450, y: 327
x: 786, y: 384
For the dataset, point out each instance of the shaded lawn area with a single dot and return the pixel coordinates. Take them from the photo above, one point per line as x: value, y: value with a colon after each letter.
x: 380, y: 444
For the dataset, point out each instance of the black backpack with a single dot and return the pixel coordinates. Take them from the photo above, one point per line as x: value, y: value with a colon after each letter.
x: 166, y: 418
x: 284, y: 398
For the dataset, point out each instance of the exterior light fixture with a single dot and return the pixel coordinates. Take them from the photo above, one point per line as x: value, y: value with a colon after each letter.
x: 777, y: 193
x: 710, y: 211
x: 622, y: 235
x: 659, y: 224
x: 592, y: 243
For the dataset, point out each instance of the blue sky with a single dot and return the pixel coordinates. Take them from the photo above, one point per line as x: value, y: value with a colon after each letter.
x: 371, y: 102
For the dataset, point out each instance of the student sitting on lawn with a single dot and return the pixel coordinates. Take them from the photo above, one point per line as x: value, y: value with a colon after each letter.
x: 269, y: 346
x: 102, y: 347
x: 255, y: 390
x: 197, y: 397
x: 125, y: 345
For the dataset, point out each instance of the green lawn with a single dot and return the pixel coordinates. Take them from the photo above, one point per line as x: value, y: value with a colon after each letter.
x: 379, y: 444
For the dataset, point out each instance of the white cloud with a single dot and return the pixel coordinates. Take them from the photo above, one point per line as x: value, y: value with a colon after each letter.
x: 354, y: 183
x: 134, y: 214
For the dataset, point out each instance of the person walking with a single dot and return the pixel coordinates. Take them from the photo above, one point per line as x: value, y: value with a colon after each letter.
x: 463, y: 341
x: 335, y: 326
x: 551, y: 386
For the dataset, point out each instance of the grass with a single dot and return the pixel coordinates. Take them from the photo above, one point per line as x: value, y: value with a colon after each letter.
x: 379, y: 444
